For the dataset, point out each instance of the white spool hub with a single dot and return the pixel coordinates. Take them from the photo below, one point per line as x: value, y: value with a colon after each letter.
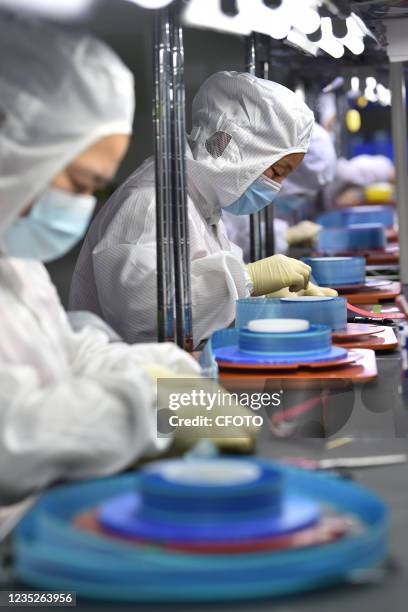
x: 307, y: 298
x: 336, y: 259
x: 214, y: 472
x: 278, y: 325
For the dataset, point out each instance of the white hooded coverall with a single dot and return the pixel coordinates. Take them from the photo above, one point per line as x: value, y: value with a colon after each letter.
x: 72, y: 405
x: 315, y: 170
x: 241, y: 126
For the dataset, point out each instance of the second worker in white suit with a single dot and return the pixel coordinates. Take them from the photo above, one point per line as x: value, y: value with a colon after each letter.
x: 248, y: 135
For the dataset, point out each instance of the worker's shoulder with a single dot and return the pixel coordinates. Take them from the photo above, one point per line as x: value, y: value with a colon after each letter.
x: 137, y: 190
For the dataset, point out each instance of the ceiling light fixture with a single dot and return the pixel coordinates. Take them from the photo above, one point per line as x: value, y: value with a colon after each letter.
x: 328, y: 42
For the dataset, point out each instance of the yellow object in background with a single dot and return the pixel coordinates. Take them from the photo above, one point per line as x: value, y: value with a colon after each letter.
x: 379, y: 193
x: 353, y: 120
x: 362, y: 101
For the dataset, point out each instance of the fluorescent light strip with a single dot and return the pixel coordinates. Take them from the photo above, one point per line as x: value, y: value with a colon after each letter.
x: 59, y: 9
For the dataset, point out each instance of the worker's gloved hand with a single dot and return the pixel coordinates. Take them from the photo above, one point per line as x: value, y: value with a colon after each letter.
x: 232, y: 437
x: 276, y: 272
x: 314, y: 290
x: 305, y: 231
x: 282, y: 293
x: 156, y: 371
x: 229, y: 437
x: 311, y: 289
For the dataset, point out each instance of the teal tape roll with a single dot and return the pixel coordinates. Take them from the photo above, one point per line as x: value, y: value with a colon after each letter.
x: 352, y: 239
x: 52, y: 553
x: 331, y: 311
x: 358, y: 214
x: 337, y: 271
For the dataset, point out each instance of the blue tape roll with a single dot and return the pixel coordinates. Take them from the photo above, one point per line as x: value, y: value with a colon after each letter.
x: 337, y: 271
x: 311, y: 342
x: 232, y: 355
x: 52, y: 553
x: 122, y: 515
x: 260, y: 348
x: 357, y: 214
x: 331, y: 311
x: 166, y: 489
x: 362, y: 237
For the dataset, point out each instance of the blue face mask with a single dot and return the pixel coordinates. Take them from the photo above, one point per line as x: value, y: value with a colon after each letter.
x: 56, y: 222
x: 258, y: 195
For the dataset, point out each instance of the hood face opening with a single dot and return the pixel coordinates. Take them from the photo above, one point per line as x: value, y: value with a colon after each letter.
x: 242, y: 126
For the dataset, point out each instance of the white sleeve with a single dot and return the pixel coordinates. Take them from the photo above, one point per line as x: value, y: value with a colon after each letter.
x: 125, y: 276
x: 78, y: 319
x: 80, y: 406
x: 80, y: 427
x: 92, y: 355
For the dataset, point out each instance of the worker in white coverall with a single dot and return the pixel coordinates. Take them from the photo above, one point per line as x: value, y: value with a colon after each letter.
x: 72, y: 404
x: 355, y: 179
x: 316, y: 170
x: 248, y: 135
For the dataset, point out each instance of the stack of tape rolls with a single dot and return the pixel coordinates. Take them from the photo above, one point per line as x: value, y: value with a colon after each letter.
x: 385, y: 215
x: 202, y: 530
x: 280, y: 341
x: 337, y: 271
x: 354, y: 238
x: 318, y: 310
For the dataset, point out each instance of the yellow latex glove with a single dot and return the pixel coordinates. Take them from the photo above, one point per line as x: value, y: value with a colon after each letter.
x: 312, y: 289
x: 305, y: 231
x: 156, y: 371
x: 276, y: 272
x: 230, y: 437
x: 282, y: 293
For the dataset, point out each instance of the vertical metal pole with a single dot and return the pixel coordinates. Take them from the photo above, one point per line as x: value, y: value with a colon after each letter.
x: 181, y: 245
x: 162, y: 141
x: 341, y: 131
x: 268, y: 239
x: 255, y: 219
x: 399, y: 139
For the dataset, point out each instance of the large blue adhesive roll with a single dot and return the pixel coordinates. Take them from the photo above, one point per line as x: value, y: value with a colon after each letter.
x: 355, y: 238
x: 281, y: 348
x: 312, y: 342
x: 331, y: 311
x: 337, y: 271
x: 358, y: 214
x: 103, y: 568
x: 211, y: 499
x: 209, y: 487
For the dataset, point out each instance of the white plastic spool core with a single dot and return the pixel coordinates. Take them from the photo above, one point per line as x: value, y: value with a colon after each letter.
x: 331, y: 259
x: 278, y: 325
x: 210, y: 473
x: 307, y: 298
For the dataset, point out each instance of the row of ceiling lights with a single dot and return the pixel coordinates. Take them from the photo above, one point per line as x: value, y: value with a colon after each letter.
x: 328, y: 25
x: 310, y: 24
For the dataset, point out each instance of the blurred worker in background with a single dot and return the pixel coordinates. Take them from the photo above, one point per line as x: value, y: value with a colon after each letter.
x: 248, y: 135
x: 362, y: 179
x: 297, y: 199
x: 72, y: 404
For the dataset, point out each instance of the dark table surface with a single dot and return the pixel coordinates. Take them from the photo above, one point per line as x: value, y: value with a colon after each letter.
x: 373, y: 432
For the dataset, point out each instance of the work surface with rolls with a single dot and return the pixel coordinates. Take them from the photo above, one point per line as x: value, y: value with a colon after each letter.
x: 386, y: 589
